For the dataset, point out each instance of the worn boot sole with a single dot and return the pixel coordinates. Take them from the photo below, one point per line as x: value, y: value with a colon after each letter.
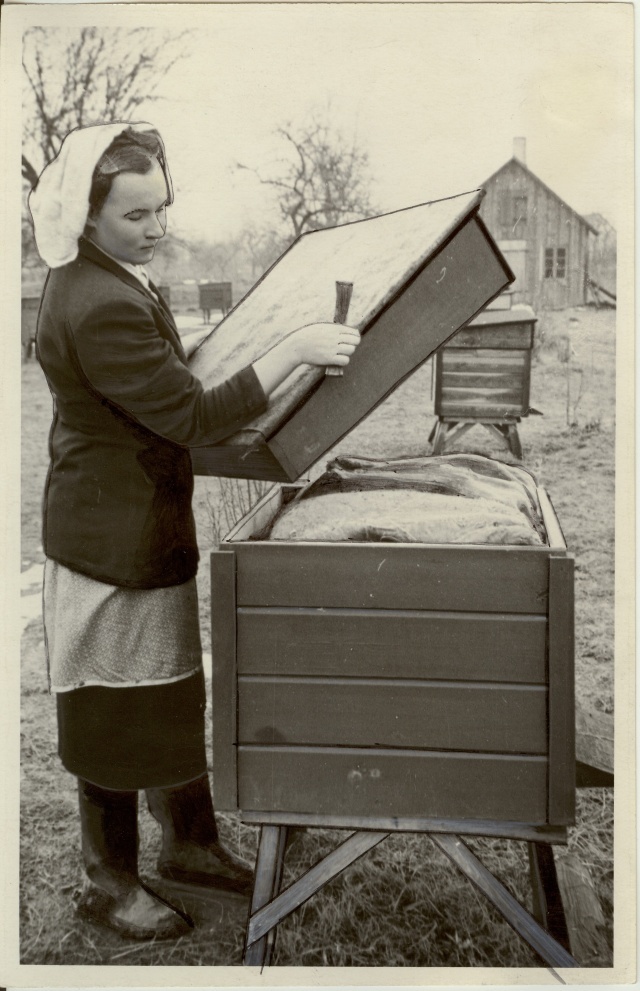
x: 173, y: 872
x: 100, y: 907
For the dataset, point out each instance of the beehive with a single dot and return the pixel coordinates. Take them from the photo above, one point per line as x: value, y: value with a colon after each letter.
x: 366, y: 680
x: 214, y: 296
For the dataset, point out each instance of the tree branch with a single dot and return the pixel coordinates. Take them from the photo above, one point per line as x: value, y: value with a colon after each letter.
x: 29, y: 173
x: 98, y: 74
x: 325, y: 178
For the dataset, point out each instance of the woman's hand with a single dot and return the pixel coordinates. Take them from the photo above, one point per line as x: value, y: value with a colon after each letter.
x: 323, y: 344
x: 314, y: 344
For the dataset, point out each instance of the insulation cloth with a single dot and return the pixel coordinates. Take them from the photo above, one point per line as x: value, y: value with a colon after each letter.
x: 460, y: 499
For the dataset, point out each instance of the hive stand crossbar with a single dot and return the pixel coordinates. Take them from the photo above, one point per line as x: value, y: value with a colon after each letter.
x: 445, y: 431
x: 546, y: 934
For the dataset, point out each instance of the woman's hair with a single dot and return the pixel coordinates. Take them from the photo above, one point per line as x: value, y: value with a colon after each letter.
x: 131, y: 151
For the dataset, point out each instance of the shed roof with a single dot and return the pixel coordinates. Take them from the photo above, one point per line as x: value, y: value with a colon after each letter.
x: 532, y: 175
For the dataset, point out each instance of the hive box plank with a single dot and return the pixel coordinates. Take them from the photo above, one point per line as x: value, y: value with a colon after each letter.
x: 456, y: 378
x: 396, y: 679
x: 325, y: 642
x: 498, y: 718
x: 375, y: 782
x: 419, y: 275
x: 393, y: 576
x: 485, y: 360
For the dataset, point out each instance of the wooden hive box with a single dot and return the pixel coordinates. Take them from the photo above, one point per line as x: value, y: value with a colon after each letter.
x: 392, y: 680
x: 215, y: 296
x: 484, y: 371
x: 419, y: 275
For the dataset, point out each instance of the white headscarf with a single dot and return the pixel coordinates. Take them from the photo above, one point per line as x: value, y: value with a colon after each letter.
x: 60, y: 202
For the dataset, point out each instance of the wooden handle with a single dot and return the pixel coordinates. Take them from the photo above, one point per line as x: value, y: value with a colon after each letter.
x: 343, y: 299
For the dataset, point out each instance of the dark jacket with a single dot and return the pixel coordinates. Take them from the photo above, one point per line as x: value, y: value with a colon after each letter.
x: 117, y: 503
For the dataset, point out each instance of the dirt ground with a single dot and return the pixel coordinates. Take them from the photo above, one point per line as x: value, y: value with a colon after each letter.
x: 571, y: 450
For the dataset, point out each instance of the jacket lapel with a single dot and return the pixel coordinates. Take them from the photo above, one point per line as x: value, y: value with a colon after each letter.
x: 94, y: 254
x: 161, y: 300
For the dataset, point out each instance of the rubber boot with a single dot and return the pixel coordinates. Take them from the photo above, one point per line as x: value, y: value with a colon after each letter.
x: 114, y: 895
x: 191, y: 849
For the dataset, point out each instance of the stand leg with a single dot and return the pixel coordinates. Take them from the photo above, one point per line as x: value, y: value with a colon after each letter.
x: 268, y: 868
x: 439, y: 439
x: 277, y: 881
x: 552, y: 952
x: 514, y: 442
x: 584, y: 915
x: 547, y: 901
x: 269, y: 915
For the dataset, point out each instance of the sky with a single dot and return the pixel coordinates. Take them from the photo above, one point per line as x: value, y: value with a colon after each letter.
x: 435, y: 93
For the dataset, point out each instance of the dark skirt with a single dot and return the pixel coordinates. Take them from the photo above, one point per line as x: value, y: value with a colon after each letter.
x: 134, y: 738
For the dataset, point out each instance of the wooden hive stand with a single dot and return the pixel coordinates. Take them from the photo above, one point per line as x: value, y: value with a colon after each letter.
x: 483, y: 377
x: 545, y: 931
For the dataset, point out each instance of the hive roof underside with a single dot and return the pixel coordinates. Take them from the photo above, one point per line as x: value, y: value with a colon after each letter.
x: 379, y: 256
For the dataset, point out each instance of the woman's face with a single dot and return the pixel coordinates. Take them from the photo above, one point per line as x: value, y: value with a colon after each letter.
x: 133, y: 216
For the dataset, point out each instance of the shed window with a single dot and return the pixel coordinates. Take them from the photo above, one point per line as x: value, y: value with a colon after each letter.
x: 548, y: 263
x: 555, y: 263
x: 561, y: 263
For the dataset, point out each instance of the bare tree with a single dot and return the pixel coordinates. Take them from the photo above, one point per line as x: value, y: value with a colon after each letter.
x: 79, y: 76
x: 262, y: 246
x: 323, y: 178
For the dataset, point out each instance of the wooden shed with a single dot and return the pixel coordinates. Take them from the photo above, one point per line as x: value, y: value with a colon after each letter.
x: 546, y: 243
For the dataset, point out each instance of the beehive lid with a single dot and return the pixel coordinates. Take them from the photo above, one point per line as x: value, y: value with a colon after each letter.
x: 382, y: 257
x: 519, y: 313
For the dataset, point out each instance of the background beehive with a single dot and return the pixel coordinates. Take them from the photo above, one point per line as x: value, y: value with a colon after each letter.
x: 484, y: 372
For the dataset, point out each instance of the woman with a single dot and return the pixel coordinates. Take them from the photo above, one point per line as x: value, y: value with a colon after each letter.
x: 120, y: 604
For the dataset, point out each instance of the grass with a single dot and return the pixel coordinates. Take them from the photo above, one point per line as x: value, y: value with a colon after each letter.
x: 403, y: 904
